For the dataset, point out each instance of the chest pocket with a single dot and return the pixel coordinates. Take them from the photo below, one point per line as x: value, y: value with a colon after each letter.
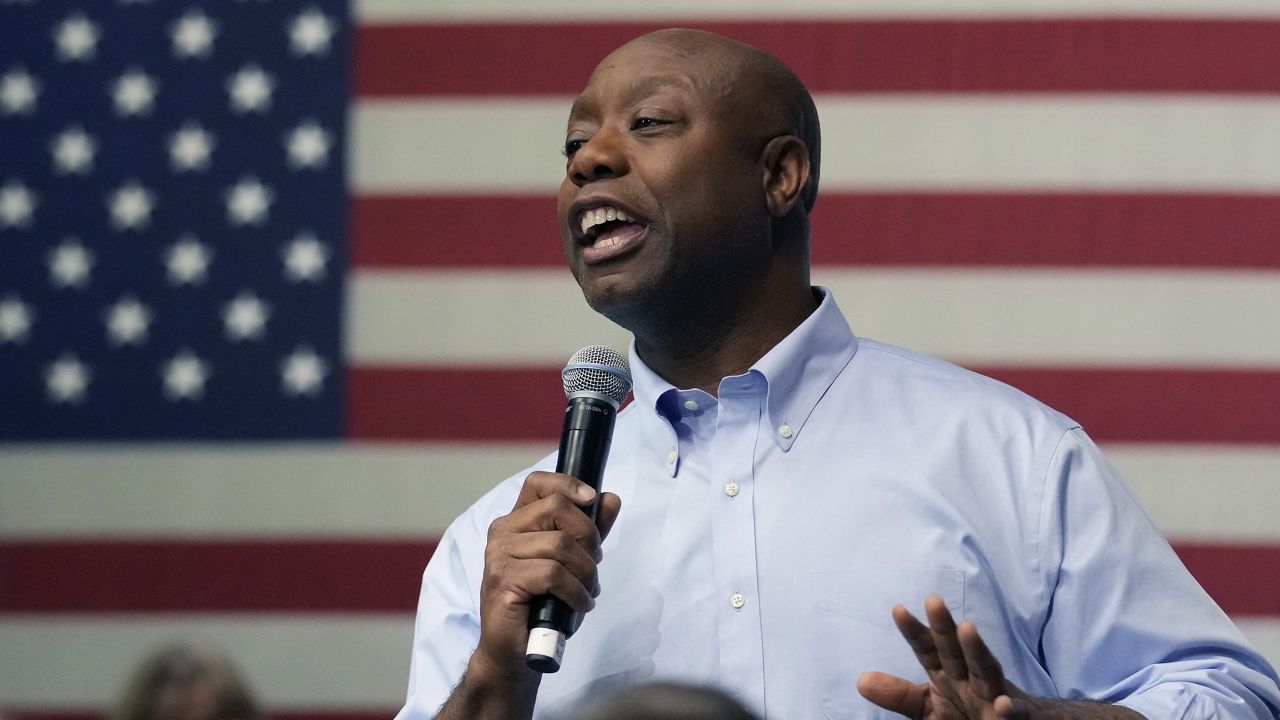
x: 854, y: 631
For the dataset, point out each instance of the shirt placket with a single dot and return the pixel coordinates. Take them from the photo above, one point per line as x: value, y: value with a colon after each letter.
x: 734, y: 540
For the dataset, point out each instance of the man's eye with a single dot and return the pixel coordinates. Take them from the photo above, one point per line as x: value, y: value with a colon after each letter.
x: 572, y: 147
x: 641, y: 123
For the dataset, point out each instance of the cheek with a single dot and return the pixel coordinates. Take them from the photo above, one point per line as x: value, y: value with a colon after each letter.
x: 701, y: 204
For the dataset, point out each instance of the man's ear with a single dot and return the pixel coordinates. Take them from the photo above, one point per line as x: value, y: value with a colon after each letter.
x: 785, y: 161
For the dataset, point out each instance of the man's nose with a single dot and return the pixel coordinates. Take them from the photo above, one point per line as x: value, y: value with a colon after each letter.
x: 602, y: 157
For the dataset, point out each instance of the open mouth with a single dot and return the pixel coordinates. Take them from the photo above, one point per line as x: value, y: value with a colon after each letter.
x: 608, y: 232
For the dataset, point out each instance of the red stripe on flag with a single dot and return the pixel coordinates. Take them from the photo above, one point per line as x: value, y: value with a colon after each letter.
x: 1159, y: 405
x: 411, y: 403
x: 212, y: 575
x: 868, y: 229
x: 1064, y: 55
x: 1243, y: 579
x: 392, y: 231
x: 106, y: 576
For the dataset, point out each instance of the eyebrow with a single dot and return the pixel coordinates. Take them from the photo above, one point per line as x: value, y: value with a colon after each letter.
x: 641, y: 88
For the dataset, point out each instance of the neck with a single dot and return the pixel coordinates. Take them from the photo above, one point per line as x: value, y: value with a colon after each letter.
x: 698, y: 350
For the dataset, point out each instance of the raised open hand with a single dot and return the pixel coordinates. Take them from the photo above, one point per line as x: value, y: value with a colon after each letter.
x: 966, y: 681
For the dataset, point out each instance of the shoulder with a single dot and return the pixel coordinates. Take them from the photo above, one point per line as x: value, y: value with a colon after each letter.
x: 913, y: 377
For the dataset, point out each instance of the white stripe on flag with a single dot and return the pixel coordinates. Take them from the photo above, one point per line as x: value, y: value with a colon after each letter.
x: 1205, y: 493
x: 1065, y: 317
x: 312, y: 661
x: 229, y: 491
x: 935, y: 142
x: 416, y: 490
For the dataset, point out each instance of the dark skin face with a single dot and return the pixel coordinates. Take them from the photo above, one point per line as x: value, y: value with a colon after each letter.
x: 698, y: 268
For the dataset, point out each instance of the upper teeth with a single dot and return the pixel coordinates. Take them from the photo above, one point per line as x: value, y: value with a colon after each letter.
x: 601, y: 215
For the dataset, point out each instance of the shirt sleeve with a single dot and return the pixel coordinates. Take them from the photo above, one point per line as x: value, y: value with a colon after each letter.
x: 1127, y: 623
x: 447, y: 628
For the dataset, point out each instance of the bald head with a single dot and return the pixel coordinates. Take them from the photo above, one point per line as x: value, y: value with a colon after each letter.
x: 755, y: 92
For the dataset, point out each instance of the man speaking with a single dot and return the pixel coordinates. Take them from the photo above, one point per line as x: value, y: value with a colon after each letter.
x: 779, y: 486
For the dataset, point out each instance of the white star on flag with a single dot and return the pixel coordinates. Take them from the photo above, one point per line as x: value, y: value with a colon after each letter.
x: 248, y: 202
x: 67, y: 380
x: 18, y: 91
x: 190, y: 148
x: 76, y: 38
x: 184, y: 376
x: 131, y: 205
x: 310, y: 33
x: 250, y: 89
x: 73, y: 150
x: 305, y: 258
x: 134, y: 93
x: 187, y: 261
x: 308, y: 145
x: 193, y: 35
x: 15, y: 320
x: 303, y: 373
x: 69, y: 264
x: 245, y: 317
x: 17, y: 204
x: 127, y: 322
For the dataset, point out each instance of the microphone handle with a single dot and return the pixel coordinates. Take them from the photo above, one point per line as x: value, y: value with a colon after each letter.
x: 584, y: 447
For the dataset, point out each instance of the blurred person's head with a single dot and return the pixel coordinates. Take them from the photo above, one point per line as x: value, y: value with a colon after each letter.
x: 187, y: 681
x: 664, y: 701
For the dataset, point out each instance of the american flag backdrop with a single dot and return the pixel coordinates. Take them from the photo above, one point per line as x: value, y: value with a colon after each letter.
x: 281, y: 289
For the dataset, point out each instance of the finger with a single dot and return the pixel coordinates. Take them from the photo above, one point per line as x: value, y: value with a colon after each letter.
x: 556, y: 515
x: 610, y: 506
x: 538, y: 485
x: 1026, y: 708
x: 893, y: 693
x: 513, y: 582
x: 557, y: 546
x: 985, y: 674
x: 943, y: 628
x: 565, y: 585
x: 553, y: 512
x: 919, y: 638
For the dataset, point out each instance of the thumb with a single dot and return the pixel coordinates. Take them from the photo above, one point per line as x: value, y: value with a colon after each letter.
x: 607, y: 513
x: 893, y: 693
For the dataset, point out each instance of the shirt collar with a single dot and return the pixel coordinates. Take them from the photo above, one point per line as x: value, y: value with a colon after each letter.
x: 798, y: 371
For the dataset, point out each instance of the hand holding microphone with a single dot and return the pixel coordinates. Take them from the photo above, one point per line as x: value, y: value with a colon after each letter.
x: 596, y: 381
x: 540, y: 559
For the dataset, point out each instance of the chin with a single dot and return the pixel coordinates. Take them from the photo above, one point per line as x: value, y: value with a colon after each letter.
x: 637, y: 307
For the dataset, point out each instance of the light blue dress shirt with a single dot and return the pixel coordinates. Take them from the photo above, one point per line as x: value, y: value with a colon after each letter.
x: 767, y: 533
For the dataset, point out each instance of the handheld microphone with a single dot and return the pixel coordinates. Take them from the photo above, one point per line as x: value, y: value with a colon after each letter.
x: 596, y: 381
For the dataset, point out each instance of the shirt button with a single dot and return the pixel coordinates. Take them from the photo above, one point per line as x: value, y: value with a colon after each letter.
x: 731, y: 489
x: 786, y: 431
x: 737, y: 601
x: 671, y: 457
x: 691, y: 405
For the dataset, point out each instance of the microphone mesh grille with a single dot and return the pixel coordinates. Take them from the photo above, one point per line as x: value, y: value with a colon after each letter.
x: 598, y: 369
